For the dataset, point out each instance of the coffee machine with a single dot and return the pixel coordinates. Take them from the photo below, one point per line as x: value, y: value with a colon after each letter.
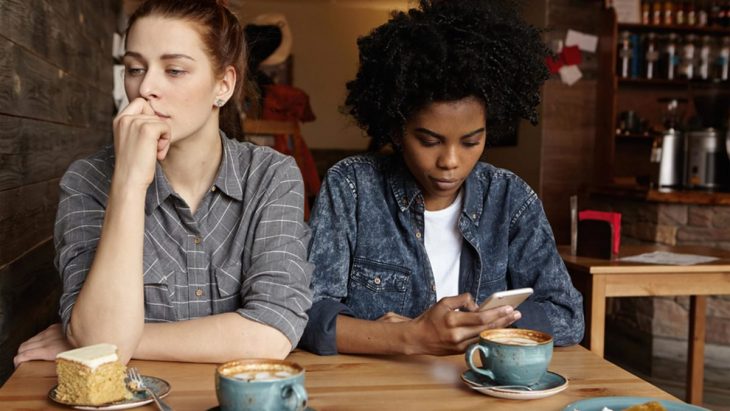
x: 707, y: 164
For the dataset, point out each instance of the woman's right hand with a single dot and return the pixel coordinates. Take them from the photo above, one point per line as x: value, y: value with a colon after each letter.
x: 140, y: 139
x: 43, y: 346
x: 454, y: 323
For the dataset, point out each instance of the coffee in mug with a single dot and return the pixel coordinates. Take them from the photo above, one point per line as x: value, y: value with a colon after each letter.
x: 512, y: 356
x: 260, y: 384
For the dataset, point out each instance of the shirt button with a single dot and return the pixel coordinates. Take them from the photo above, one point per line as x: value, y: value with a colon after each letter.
x: 474, y: 216
x: 212, y: 188
x: 197, y: 240
x: 418, y: 234
x: 377, y: 280
x: 433, y: 287
x: 198, y: 292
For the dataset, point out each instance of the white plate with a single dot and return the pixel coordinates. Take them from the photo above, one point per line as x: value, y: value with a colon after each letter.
x: 619, y: 403
x: 550, y: 384
x: 139, y: 398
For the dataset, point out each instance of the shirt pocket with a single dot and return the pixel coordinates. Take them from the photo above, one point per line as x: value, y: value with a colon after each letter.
x: 228, y: 278
x: 158, y: 303
x: 377, y: 288
x: 159, y: 289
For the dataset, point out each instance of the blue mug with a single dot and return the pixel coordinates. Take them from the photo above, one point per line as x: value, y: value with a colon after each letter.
x: 261, y: 385
x: 512, y: 356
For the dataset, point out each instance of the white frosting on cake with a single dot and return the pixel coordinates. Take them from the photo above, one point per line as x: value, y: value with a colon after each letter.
x: 91, y: 356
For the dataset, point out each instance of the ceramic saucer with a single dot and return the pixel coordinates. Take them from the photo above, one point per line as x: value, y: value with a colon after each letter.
x: 550, y: 384
x: 139, y: 398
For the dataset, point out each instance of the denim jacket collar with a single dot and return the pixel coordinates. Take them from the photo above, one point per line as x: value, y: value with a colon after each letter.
x: 405, y: 189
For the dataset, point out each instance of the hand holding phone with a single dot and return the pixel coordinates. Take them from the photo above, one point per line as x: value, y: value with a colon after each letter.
x: 510, y: 297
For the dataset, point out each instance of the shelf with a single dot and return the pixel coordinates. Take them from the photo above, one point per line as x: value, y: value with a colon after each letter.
x: 640, y: 137
x: 679, y: 29
x: 679, y: 83
x: 644, y: 193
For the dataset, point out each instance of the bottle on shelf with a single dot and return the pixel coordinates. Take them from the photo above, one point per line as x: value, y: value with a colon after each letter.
x: 680, y: 16
x: 651, y: 57
x: 721, y: 63
x: 702, y: 14
x: 690, y: 13
x: 703, y: 64
x: 668, y: 13
x: 624, y: 54
x: 656, y: 12
x: 668, y: 58
x: 645, y: 12
x: 687, y: 57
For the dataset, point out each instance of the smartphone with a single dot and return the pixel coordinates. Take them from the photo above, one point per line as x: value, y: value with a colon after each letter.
x: 509, y: 297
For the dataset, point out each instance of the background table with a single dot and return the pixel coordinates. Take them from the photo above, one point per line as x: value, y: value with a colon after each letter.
x: 361, y: 383
x: 598, y: 279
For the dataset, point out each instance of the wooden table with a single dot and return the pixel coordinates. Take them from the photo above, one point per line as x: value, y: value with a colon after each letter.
x: 598, y: 279
x: 361, y: 383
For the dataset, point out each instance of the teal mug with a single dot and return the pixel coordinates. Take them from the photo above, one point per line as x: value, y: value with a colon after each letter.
x: 512, y: 356
x: 261, y: 385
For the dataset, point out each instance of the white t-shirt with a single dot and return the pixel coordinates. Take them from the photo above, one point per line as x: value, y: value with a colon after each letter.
x: 443, y: 239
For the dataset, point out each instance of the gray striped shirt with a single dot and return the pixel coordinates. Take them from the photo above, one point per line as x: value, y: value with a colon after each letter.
x: 243, y: 250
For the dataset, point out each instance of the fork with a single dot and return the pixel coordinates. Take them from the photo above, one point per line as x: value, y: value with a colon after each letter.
x: 137, y: 384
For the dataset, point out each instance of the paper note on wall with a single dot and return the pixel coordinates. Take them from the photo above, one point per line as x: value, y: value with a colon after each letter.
x: 585, y: 42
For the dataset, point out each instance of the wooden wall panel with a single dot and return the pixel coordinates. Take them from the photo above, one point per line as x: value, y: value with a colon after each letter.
x: 64, y: 33
x: 32, y: 151
x: 55, y: 106
x: 568, y: 118
x: 568, y: 127
x: 31, y: 87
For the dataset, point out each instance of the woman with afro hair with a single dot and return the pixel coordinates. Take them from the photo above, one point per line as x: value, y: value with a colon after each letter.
x: 406, y: 246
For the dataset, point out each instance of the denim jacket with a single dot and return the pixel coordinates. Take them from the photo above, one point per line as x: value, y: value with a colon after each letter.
x: 367, y: 246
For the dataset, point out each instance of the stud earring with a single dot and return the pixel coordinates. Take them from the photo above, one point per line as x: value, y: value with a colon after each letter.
x: 219, y: 102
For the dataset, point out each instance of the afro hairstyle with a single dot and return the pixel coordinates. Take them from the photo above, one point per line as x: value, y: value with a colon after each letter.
x: 447, y: 50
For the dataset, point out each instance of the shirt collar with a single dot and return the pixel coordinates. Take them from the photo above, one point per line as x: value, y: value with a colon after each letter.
x: 406, y: 190
x: 227, y: 181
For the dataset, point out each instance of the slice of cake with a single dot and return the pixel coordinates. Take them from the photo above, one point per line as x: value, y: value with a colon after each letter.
x: 91, y: 375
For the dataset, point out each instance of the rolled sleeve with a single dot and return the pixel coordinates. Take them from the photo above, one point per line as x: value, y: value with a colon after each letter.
x: 77, y: 228
x: 320, y: 335
x: 275, y: 290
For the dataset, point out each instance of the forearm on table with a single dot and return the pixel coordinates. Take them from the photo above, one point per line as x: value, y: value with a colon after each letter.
x: 110, y: 306
x: 216, y: 338
x: 373, y: 337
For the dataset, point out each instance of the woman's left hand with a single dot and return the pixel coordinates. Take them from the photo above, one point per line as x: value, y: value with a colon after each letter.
x: 43, y: 346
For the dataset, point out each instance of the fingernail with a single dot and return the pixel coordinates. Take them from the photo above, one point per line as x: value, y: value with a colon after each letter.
x: 516, y: 315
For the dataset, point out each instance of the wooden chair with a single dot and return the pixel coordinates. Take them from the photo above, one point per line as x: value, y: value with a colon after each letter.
x: 263, y: 132
x: 286, y: 137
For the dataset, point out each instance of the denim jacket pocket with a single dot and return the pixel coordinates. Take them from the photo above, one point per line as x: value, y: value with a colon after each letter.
x: 377, y: 288
x: 228, y: 280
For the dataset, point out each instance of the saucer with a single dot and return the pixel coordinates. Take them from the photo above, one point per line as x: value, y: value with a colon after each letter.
x: 139, y: 398
x: 619, y: 403
x: 218, y: 408
x: 550, y: 384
